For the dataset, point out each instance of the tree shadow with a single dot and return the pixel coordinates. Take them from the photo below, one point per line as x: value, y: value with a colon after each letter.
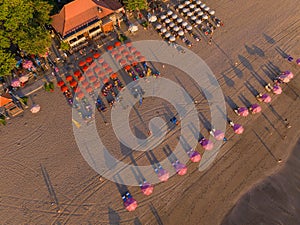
x: 185, y: 145
x: 204, y: 121
x: 137, y: 221
x: 245, y: 101
x: 225, y: 117
x: 231, y: 103
x: 229, y: 82
x: 120, y: 184
x: 113, y: 216
x: 258, y: 51
x: 136, y: 171
x: 269, y: 39
x: 246, y: 63
x: 170, y: 155
x: 194, y: 130
x: 237, y: 71
x: 156, y: 215
x: 279, y: 117
x: 250, y: 50
x: 281, y: 52
x: 251, y: 89
x: 259, y: 78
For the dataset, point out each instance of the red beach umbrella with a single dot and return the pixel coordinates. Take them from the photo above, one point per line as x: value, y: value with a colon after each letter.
x: 114, y: 76
x: 110, y: 47
x: 123, y: 62
x: 85, y: 68
x: 60, y: 83
x: 194, y: 156
x: 105, y: 65
x: 97, y: 84
x: 81, y: 63
x: 117, y: 44
x: 89, y: 59
x: 243, y: 111
x: 129, y: 44
x: 121, y: 48
x: 77, y: 73
x: 85, y: 84
x: 114, y: 52
x: 73, y: 83
x: 141, y: 58
x: 89, y: 73
x: 89, y: 89
x: 77, y: 89
x: 137, y: 53
x: 109, y: 70
x: 93, y: 79
x: 105, y: 80
x: 127, y: 67
x: 81, y: 78
x: 80, y: 95
x: 100, y: 60
x: 206, y: 144
x: 130, y: 57
x: 64, y: 88
x: 125, y: 53
x: 163, y: 175
x: 134, y: 63
x: 101, y: 74
x: 96, y: 55
x: 255, y: 108
x: 147, y: 188
x: 284, y: 78
x: 130, y: 204
x: 118, y: 57
x: 97, y: 70
x: 181, y: 169
x: 132, y: 49
x: 69, y: 78
x: 289, y: 74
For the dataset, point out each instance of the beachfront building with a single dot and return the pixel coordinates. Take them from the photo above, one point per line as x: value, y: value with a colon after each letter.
x: 80, y: 20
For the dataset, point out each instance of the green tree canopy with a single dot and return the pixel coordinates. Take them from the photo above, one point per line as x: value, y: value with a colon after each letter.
x: 22, y: 24
x: 135, y: 4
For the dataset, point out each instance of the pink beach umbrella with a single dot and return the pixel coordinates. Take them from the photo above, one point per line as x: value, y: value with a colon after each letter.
x: 277, y: 89
x: 289, y: 74
x: 255, y: 108
x: 130, y: 204
x: 243, y: 111
x: 180, y: 168
x: 284, y: 78
x: 219, y: 135
x: 15, y: 82
x: 194, y: 156
x: 238, y: 129
x: 206, y: 144
x: 266, y: 98
x: 298, y: 61
x: 147, y: 188
x: 163, y: 175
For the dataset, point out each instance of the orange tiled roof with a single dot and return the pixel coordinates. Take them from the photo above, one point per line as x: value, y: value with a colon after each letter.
x: 79, y: 12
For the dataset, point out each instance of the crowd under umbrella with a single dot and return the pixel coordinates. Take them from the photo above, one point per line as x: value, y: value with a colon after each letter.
x: 200, y: 13
x: 85, y: 68
x: 192, y: 6
x: 147, y: 188
x: 73, y: 83
x: 202, y: 5
x: 152, y: 19
x: 218, y: 134
x: 189, y: 27
x: 211, y: 12
x: 237, y: 128
x: 204, y: 17
x: 110, y: 47
x: 198, y: 22
x: 187, y: 2
x: 89, y: 59
x: 194, y: 156
x: 174, y: 16
x: 158, y: 26
x: 163, y: 17
x: 181, y: 169
x: 69, y: 78
x: 167, y: 34
x: 167, y: 21
x: 277, y: 90
x: 77, y: 73
x: 185, y: 10
x: 206, y: 8
x: 255, y: 108
x: 242, y: 111
x: 169, y: 13
x: 118, y: 44
x: 198, y: 2
x: 180, y: 6
x: 206, y: 144
x: 189, y: 14
x: 64, y: 88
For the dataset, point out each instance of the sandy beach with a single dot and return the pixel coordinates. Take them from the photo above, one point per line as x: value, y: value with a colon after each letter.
x: 45, y: 180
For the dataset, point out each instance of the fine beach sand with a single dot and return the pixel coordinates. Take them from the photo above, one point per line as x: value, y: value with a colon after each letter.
x: 41, y: 163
